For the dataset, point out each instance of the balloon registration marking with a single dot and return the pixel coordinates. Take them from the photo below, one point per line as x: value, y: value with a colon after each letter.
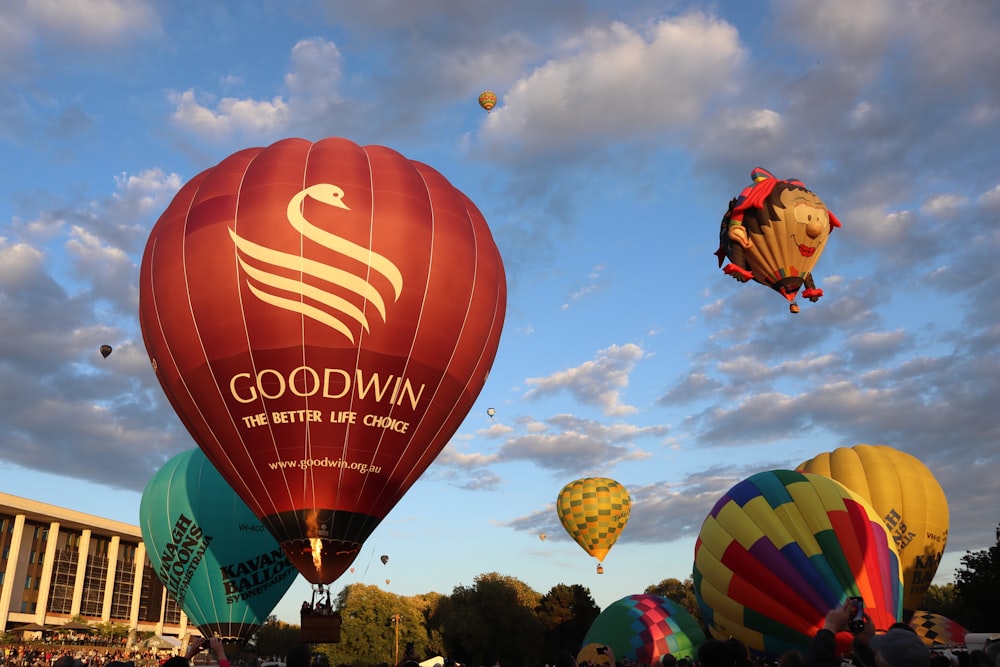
x: 326, y: 193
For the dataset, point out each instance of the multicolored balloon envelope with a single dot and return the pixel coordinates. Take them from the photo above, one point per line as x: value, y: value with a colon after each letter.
x: 643, y: 628
x: 938, y: 630
x: 774, y: 233
x: 210, y: 552
x: 322, y: 316
x: 781, y: 549
x: 594, y: 510
x: 909, y: 499
x: 488, y: 100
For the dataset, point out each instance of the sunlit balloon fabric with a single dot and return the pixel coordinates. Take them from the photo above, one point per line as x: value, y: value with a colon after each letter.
x: 488, y: 100
x: 936, y: 629
x: 781, y: 549
x: 774, y: 234
x: 322, y: 316
x: 209, y: 550
x: 909, y: 499
x: 594, y: 510
x: 643, y: 628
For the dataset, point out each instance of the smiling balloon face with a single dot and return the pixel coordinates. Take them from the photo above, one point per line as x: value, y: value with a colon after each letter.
x: 774, y: 233
x: 322, y: 317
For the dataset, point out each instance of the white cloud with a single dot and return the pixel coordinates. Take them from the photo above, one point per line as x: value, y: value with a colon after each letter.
x: 229, y: 116
x: 990, y: 198
x: 944, y: 206
x: 594, y: 382
x: 620, y: 81
x: 311, y: 93
x: 18, y: 263
x: 92, y: 23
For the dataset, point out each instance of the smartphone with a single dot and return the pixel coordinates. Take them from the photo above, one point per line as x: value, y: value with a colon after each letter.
x: 857, y: 622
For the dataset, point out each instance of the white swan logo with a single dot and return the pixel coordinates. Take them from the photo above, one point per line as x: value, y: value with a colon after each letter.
x: 314, y: 302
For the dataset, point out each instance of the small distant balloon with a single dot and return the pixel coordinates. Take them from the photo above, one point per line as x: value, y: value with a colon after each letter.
x: 542, y: 536
x: 491, y: 412
x: 105, y: 351
x: 600, y: 569
x: 384, y: 559
x: 352, y: 570
x: 386, y: 582
x: 488, y: 100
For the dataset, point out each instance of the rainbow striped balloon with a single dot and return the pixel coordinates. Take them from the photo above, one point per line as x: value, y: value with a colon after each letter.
x: 643, y: 628
x: 781, y: 549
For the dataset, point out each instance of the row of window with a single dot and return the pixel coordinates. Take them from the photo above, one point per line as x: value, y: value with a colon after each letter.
x: 61, y: 586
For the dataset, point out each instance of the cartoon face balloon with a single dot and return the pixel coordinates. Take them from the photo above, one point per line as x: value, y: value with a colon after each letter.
x: 209, y: 550
x: 643, y: 628
x: 909, y: 499
x: 781, y: 549
x: 322, y: 316
x: 594, y: 511
x: 774, y: 234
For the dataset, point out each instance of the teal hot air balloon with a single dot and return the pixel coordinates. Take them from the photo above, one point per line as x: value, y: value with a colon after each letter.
x: 210, y: 551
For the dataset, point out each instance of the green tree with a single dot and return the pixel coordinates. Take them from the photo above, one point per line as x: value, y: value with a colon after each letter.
x: 942, y: 600
x: 371, y: 632
x: 492, y: 620
x: 428, y: 604
x: 111, y: 631
x: 566, y: 613
x: 977, y: 585
x: 681, y: 592
x: 276, y: 638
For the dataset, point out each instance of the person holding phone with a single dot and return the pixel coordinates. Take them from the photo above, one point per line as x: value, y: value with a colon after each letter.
x: 898, y: 647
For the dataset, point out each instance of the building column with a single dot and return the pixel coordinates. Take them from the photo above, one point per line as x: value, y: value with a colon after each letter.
x: 48, y: 563
x: 163, y: 612
x: 81, y: 571
x: 109, y: 583
x: 140, y: 564
x: 7, y: 598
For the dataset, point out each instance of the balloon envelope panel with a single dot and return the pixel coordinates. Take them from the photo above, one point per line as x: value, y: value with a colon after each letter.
x: 208, y: 549
x: 594, y: 510
x: 909, y: 499
x: 782, y: 548
x: 322, y: 317
x: 643, y: 628
x: 937, y: 629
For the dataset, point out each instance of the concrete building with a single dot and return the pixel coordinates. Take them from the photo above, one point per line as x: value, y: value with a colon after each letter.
x: 56, y: 563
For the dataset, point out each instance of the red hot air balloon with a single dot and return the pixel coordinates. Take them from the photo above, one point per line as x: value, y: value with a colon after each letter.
x: 321, y: 316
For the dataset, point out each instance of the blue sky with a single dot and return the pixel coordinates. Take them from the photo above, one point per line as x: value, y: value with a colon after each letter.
x: 622, y: 131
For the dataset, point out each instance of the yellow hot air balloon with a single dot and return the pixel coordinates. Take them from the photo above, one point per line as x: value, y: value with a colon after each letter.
x: 488, y: 100
x: 594, y: 510
x: 909, y: 499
